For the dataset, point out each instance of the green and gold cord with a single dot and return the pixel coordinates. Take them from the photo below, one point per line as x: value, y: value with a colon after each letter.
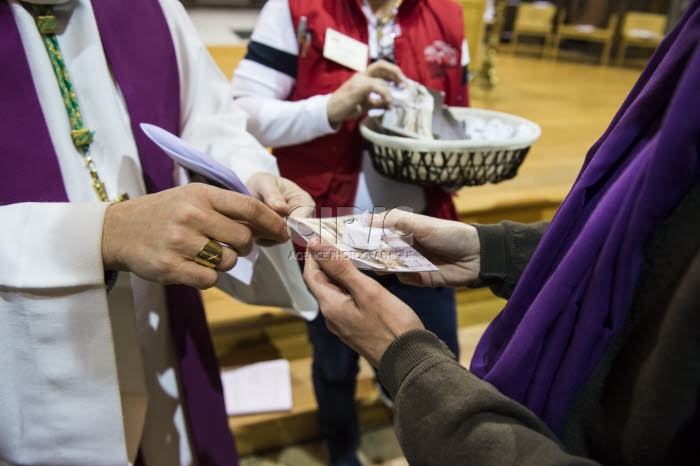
x: 81, y: 136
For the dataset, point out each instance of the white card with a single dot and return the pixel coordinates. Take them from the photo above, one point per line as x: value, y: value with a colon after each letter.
x: 345, y: 50
x: 258, y: 388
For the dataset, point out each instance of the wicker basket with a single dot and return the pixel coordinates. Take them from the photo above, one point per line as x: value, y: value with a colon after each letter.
x: 448, y: 163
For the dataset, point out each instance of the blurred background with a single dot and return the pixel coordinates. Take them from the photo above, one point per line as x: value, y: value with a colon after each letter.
x: 565, y: 65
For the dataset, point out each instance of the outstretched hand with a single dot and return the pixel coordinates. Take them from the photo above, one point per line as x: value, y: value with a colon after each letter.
x: 359, y: 310
x: 280, y: 194
x: 453, y: 247
x: 157, y: 236
x: 363, y: 91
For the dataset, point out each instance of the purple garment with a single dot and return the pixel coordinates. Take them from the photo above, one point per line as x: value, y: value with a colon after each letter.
x: 145, y: 67
x: 575, y: 293
x: 24, y: 133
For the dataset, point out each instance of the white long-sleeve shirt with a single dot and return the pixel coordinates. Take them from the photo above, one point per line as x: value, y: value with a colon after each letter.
x: 71, y: 390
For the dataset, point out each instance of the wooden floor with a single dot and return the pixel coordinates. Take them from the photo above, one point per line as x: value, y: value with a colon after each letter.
x: 572, y: 102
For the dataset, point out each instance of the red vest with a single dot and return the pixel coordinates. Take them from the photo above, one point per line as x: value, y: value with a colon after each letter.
x: 428, y: 51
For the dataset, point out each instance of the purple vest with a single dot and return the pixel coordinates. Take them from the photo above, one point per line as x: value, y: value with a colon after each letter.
x: 144, y: 66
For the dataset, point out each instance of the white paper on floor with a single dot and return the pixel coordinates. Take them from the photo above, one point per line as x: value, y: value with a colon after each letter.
x: 258, y: 388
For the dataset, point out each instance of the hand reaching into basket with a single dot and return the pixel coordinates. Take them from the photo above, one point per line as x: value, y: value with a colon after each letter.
x: 363, y: 91
x: 453, y: 247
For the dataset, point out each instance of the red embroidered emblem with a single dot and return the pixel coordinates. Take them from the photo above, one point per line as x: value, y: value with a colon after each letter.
x: 440, y: 55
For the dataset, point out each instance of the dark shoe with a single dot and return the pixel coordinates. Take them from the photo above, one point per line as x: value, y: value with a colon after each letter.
x: 348, y: 459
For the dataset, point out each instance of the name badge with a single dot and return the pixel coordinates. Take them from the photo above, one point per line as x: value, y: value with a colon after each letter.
x: 345, y: 50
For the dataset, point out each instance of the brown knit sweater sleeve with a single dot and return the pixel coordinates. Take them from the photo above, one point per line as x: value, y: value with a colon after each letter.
x: 506, y: 249
x: 444, y: 415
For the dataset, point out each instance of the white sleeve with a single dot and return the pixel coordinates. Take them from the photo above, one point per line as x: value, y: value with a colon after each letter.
x: 56, y: 350
x: 209, y: 119
x: 466, y: 59
x: 42, y: 248
x: 264, y: 79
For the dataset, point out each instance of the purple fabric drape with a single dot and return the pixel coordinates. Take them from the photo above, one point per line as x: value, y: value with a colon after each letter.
x: 139, y: 49
x: 575, y: 293
x: 24, y: 131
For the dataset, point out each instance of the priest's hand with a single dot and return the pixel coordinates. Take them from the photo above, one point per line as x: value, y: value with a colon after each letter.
x: 158, y: 236
x: 359, y: 310
x: 282, y: 195
x: 363, y: 91
x: 453, y: 247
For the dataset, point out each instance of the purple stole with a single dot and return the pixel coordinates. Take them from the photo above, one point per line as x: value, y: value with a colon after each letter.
x: 144, y: 65
x: 574, y: 295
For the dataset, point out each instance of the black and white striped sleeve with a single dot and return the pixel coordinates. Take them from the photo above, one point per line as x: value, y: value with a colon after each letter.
x: 264, y: 79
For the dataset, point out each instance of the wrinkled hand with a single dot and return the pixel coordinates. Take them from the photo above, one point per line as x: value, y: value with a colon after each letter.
x: 359, y: 310
x: 157, y: 236
x: 365, y: 90
x: 282, y: 195
x: 453, y: 247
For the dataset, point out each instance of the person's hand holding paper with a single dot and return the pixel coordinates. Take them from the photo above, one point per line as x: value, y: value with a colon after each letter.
x: 274, y: 279
x: 167, y: 253
x: 451, y: 246
x: 282, y: 195
x: 363, y: 314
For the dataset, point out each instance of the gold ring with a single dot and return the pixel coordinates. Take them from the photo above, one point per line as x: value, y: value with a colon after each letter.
x: 210, y: 255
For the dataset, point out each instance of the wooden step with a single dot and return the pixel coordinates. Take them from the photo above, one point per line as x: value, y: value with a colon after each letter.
x: 244, y: 334
x: 260, y: 432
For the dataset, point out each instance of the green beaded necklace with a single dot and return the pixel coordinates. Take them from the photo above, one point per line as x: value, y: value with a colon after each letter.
x: 82, y: 136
